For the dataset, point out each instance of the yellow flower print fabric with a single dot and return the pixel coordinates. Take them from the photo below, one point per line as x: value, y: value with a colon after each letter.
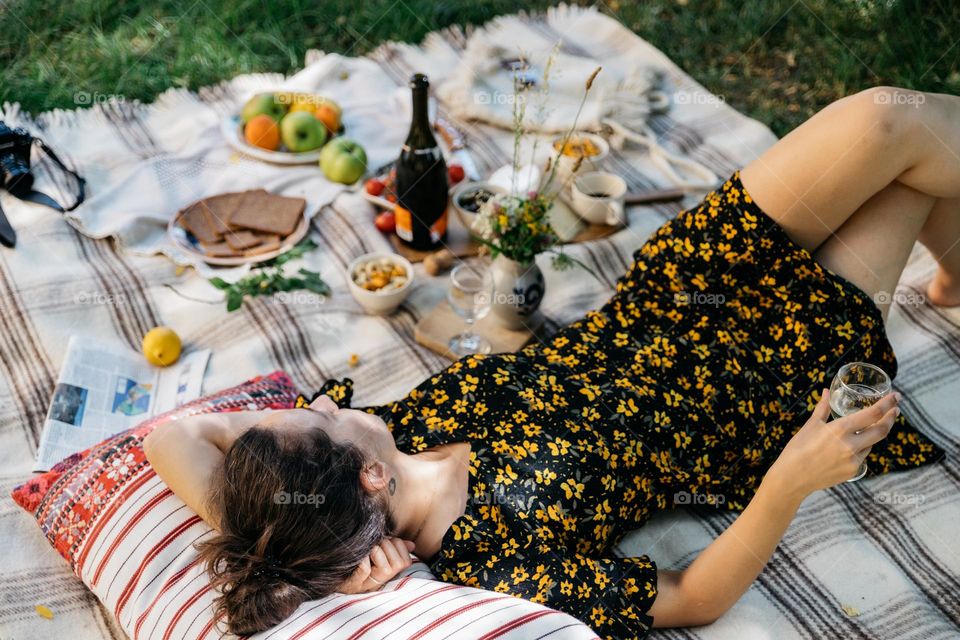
x: 681, y: 390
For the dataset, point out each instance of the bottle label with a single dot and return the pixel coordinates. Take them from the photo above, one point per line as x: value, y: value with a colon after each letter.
x: 404, y: 221
x: 438, y: 228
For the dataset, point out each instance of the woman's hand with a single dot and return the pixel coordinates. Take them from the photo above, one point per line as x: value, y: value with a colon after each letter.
x: 824, y: 453
x: 385, y: 561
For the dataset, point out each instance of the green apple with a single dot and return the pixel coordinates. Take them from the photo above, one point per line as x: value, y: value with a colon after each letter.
x: 301, y: 131
x: 343, y: 160
x: 263, y: 103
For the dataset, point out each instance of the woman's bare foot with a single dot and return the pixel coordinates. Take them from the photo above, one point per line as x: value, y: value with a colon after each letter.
x: 944, y: 290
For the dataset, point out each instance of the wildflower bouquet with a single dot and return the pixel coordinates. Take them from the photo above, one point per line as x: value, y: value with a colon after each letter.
x: 518, y: 226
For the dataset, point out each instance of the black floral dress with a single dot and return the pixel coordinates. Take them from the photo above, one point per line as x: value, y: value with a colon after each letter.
x: 682, y: 389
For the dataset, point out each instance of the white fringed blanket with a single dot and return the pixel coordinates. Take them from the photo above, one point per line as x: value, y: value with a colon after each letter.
x: 878, y: 559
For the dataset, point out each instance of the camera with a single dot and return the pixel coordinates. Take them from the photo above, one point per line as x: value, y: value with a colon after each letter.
x: 15, y: 146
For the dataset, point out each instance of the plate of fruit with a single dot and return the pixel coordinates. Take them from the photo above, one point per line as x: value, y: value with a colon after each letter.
x: 284, y: 127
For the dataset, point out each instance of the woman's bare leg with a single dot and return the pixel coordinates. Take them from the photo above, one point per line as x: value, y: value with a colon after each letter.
x: 941, y: 235
x: 878, y: 159
x: 872, y: 246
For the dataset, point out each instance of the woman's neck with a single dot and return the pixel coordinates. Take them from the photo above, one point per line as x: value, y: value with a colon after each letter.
x: 430, y: 495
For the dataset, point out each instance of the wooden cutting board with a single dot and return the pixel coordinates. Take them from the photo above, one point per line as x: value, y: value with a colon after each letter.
x: 437, y: 327
x: 458, y: 241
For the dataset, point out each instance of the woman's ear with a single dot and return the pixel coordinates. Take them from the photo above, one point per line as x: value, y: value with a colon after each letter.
x: 323, y: 403
x: 375, y: 478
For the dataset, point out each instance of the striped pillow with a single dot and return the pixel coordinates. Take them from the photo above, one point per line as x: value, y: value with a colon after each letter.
x: 131, y: 541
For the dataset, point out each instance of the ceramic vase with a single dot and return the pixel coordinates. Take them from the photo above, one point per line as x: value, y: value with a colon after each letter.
x: 519, y: 291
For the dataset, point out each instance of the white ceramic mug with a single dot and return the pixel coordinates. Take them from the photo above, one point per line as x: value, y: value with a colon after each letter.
x: 597, y: 197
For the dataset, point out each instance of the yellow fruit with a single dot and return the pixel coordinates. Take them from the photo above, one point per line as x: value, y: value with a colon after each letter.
x: 303, y: 104
x: 161, y: 346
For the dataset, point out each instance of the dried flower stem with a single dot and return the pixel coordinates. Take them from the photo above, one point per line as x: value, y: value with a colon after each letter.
x: 566, y: 138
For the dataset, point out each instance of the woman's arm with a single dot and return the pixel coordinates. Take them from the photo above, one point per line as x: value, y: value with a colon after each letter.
x: 820, y: 455
x: 185, y: 453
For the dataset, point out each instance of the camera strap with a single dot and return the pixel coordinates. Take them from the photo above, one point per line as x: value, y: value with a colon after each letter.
x: 8, y: 236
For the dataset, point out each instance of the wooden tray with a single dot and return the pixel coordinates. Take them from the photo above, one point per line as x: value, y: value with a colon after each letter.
x: 458, y: 241
x: 437, y: 327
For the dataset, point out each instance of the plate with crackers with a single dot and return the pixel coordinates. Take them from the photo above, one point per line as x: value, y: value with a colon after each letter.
x: 233, y: 229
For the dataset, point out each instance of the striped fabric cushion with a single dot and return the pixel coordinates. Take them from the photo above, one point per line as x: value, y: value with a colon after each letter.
x: 132, y: 541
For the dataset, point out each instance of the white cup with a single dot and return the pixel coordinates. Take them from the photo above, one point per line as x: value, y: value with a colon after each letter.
x: 598, y: 198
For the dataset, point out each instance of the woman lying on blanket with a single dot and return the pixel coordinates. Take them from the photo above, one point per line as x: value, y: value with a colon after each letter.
x: 520, y: 472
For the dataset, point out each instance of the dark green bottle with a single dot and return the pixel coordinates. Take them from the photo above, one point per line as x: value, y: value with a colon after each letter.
x: 421, y: 178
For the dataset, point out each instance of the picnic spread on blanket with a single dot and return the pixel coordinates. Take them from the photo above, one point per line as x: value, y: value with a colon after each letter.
x: 361, y: 224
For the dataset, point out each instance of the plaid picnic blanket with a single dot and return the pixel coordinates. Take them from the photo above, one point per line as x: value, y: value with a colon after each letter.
x: 877, y: 559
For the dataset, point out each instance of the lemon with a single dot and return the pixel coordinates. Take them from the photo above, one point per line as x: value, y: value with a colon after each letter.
x: 161, y: 346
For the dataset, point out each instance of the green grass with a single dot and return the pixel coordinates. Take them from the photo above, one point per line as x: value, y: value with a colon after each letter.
x: 777, y: 60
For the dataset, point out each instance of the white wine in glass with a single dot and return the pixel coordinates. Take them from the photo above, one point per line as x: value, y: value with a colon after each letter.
x: 857, y: 386
x: 470, y: 296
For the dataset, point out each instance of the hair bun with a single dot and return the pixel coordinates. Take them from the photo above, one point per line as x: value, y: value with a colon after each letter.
x: 270, y: 568
x: 257, y: 591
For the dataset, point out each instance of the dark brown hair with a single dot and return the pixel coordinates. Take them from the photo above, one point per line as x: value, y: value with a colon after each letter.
x: 294, y: 524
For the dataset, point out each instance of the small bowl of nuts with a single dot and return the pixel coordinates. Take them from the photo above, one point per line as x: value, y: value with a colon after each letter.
x: 380, y: 281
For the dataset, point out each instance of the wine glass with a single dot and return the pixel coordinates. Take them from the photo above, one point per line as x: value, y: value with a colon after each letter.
x: 470, y: 296
x: 857, y: 386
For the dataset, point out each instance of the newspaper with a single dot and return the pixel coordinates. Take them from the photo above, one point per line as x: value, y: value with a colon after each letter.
x: 106, y: 388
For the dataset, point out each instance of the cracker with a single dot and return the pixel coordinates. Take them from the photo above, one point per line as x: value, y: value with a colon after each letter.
x: 262, y: 211
x: 269, y: 243
x: 194, y: 220
x: 218, y: 249
x: 220, y: 208
x: 243, y: 239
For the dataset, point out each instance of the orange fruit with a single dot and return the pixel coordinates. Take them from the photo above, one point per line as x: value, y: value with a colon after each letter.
x: 262, y: 131
x: 329, y: 114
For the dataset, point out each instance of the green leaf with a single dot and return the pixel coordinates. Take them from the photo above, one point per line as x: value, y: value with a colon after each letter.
x: 234, y: 300
x: 220, y: 283
x: 318, y: 287
x: 268, y: 278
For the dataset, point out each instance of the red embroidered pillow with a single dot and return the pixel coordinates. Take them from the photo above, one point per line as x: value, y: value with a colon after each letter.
x: 76, y: 492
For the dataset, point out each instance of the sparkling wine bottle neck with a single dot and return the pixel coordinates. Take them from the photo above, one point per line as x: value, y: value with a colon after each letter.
x: 420, y: 136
